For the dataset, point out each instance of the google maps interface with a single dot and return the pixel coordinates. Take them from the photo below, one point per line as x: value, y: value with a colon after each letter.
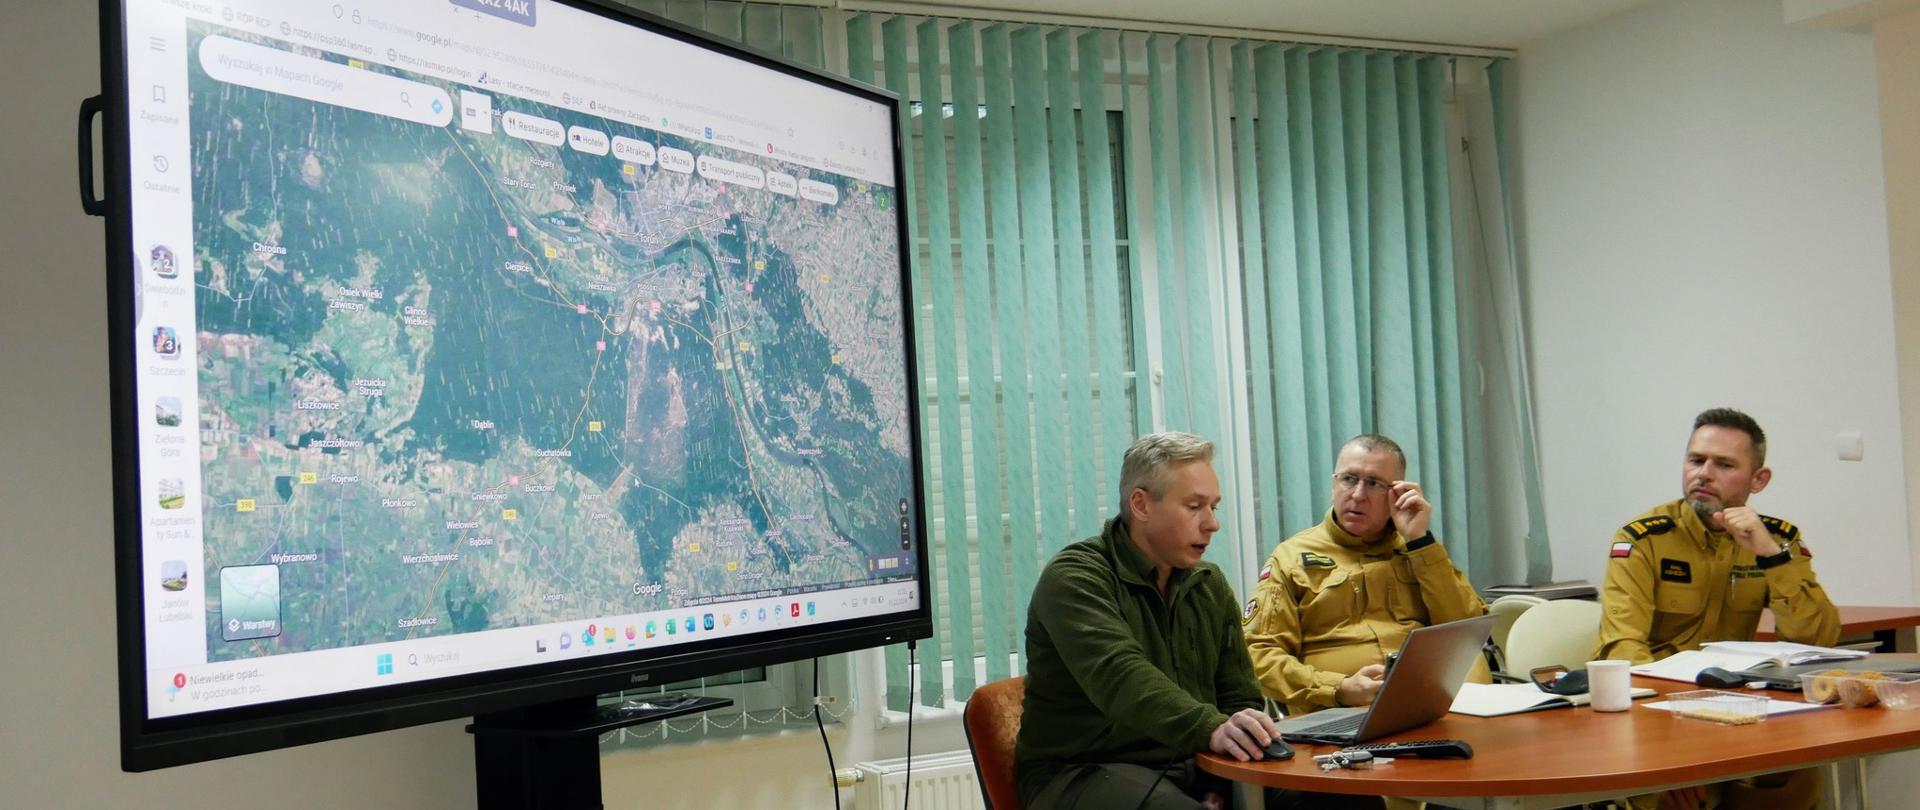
x: 453, y: 357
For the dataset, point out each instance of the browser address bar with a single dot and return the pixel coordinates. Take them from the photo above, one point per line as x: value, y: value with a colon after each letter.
x: 275, y: 71
x: 577, y: 80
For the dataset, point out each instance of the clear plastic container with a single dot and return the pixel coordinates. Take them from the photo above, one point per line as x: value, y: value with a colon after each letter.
x: 1901, y: 692
x: 1855, y: 690
x: 1730, y: 708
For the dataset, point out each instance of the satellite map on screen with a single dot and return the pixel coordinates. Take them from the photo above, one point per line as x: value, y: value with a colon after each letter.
x: 530, y: 366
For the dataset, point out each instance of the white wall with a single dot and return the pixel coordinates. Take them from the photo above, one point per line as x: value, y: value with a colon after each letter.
x: 1703, y: 224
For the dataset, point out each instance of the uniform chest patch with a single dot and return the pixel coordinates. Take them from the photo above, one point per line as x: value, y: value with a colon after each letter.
x: 1312, y: 560
x: 1675, y: 570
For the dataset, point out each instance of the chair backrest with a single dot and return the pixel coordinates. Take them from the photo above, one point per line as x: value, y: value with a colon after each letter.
x: 1505, y: 610
x: 1561, y: 631
x: 992, y: 721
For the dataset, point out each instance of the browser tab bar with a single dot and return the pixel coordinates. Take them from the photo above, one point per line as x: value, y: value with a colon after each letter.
x: 523, y: 12
x: 490, y: 57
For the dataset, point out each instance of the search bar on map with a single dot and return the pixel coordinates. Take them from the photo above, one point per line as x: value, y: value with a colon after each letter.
x: 262, y: 68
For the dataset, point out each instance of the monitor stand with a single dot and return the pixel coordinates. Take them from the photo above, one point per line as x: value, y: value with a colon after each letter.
x: 547, y: 756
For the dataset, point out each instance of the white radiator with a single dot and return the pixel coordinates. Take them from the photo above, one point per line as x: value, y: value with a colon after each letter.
x: 940, y: 782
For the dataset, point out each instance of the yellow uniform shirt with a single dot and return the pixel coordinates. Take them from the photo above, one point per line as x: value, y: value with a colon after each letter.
x: 1672, y: 584
x: 1328, y: 604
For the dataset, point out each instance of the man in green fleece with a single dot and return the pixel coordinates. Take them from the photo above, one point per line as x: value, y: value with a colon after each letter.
x: 1134, y: 656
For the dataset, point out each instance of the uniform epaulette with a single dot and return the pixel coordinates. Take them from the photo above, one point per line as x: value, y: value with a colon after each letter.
x: 1648, y: 526
x: 1781, y: 529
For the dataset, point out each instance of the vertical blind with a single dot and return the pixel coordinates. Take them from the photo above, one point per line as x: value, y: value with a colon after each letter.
x: 1346, y: 250
x: 1119, y: 232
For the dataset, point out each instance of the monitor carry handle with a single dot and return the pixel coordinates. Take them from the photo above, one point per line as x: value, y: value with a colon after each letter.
x: 93, y: 206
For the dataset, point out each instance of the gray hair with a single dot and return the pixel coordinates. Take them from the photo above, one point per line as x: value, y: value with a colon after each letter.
x: 1376, y: 443
x: 1149, y: 462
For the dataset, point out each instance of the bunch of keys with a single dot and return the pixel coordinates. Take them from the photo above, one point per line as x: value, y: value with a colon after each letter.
x: 1351, y: 760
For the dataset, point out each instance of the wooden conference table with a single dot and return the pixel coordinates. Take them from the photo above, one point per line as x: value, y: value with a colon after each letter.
x: 1897, y: 628
x: 1561, y: 757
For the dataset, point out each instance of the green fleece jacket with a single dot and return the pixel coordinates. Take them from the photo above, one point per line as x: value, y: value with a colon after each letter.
x: 1117, y: 673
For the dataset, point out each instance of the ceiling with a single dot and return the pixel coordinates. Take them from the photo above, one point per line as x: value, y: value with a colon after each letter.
x: 1477, y: 23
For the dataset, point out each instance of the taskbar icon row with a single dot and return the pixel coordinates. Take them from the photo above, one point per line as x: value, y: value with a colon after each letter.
x: 609, y: 635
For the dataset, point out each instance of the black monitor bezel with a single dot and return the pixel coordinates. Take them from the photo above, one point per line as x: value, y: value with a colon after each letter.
x: 147, y: 744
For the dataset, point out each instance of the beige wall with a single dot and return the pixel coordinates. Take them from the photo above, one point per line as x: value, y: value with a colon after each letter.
x: 1896, y: 45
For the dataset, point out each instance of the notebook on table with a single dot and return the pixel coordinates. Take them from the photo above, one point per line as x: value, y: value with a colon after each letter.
x: 1496, y: 699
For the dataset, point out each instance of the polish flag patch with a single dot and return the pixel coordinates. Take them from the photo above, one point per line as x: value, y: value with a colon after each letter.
x: 1621, y: 549
x: 1265, y: 571
x: 1803, y: 551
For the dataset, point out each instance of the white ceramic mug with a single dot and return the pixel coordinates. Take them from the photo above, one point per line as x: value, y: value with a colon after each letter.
x: 1608, y: 681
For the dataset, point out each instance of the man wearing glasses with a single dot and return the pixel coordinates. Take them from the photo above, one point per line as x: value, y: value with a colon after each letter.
x: 1334, y: 600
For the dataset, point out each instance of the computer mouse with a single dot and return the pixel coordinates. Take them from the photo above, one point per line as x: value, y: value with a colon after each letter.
x: 1718, y: 678
x: 1278, y: 749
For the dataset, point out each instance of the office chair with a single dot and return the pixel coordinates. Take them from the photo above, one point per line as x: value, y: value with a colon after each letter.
x: 1561, y: 631
x: 1505, y: 611
x: 992, y: 722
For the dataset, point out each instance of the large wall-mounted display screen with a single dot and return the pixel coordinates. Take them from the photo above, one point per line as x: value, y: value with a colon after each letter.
x: 475, y: 341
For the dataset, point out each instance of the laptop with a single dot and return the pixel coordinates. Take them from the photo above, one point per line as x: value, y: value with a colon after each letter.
x: 1433, y: 664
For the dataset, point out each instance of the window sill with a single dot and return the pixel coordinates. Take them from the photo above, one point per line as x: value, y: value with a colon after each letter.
x: 937, y: 716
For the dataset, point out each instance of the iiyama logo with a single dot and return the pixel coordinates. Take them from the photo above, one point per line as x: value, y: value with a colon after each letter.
x: 641, y: 678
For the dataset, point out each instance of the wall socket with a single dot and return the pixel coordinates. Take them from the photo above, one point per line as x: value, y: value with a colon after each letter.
x: 1850, y: 446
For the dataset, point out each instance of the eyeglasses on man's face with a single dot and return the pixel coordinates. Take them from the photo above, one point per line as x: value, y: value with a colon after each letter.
x: 1348, y: 482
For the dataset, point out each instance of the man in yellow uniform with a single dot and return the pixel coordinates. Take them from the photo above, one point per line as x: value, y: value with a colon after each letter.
x: 1334, y: 600
x: 1700, y: 569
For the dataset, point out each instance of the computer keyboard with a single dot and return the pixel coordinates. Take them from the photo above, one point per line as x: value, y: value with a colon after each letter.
x: 1333, y: 728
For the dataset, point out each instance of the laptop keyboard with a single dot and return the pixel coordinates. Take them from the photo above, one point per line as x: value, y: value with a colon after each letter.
x: 1344, y: 726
